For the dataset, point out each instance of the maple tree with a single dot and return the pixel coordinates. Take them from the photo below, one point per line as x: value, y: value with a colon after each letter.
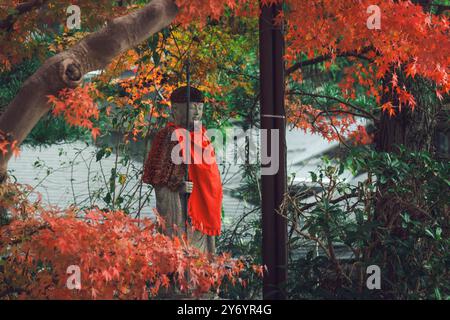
x: 77, y: 106
x: 119, y: 257
x: 411, y: 41
x: 67, y: 68
x: 373, y: 69
x: 149, y: 268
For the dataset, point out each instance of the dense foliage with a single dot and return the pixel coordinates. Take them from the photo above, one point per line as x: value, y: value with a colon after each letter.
x: 119, y: 257
x: 344, y: 81
x: 347, y: 231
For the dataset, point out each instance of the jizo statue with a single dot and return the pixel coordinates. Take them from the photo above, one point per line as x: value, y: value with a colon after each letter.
x: 201, y: 222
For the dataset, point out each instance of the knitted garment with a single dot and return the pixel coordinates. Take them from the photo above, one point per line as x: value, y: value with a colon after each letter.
x: 205, y: 201
x: 159, y: 170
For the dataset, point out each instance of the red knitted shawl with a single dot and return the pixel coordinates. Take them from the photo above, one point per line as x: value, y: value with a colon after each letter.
x: 205, y: 201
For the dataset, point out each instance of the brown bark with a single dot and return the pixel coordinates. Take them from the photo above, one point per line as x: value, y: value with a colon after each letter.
x: 412, y: 129
x: 356, y: 54
x: 66, y: 69
x: 20, y: 9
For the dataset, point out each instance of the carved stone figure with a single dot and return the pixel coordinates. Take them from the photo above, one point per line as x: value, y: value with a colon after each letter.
x: 202, y: 221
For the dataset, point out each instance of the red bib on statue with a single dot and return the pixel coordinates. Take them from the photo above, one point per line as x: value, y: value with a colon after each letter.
x: 205, y: 201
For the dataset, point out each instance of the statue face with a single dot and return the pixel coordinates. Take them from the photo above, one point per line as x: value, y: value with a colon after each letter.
x: 179, y: 113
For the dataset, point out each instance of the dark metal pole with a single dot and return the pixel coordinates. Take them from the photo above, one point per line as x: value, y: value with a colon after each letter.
x: 188, y: 153
x: 188, y: 91
x: 188, y: 98
x: 274, y: 244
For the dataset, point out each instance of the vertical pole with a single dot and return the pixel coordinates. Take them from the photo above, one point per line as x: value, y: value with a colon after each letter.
x: 186, y: 174
x: 188, y: 91
x: 188, y: 102
x: 274, y: 226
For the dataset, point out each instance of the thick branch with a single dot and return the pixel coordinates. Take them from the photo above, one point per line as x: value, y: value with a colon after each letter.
x: 66, y: 69
x: 363, y: 113
x: 21, y: 8
x: 356, y: 54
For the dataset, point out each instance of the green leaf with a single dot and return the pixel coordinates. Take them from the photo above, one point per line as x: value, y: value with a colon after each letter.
x: 103, y: 152
x: 437, y: 294
x: 341, y: 168
x: 438, y: 233
x: 100, y: 155
x: 107, y: 198
x: 156, y: 57
x: 153, y: 42
x: 428, y: 232
x: 122, y: 179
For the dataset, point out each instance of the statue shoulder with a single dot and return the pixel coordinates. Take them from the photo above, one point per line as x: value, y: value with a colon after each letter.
x: 159, y: 169
x: 169, y: 136
x: 164, y: 134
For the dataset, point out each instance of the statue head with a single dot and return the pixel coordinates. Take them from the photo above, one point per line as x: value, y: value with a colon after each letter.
x: 178, y: 101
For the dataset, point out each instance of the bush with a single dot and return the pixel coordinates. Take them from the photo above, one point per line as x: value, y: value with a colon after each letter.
x: 119, y: 257
x: 396, y: 219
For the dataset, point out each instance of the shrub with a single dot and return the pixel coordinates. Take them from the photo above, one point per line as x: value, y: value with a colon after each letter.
x: 396, y: 219
x: 119, y: 257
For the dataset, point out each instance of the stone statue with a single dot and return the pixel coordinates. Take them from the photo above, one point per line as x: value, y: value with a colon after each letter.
x: 201, y: 222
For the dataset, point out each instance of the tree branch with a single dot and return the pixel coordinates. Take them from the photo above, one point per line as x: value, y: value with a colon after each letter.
x: 326, y: 57
x: 20, y: 9
x: 66, y: 69
x: 363, y: 112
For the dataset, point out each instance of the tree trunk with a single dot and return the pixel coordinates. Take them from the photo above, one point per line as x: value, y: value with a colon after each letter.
x: 65, y: 70
x: 414, y: 130
x: 411, y: 129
